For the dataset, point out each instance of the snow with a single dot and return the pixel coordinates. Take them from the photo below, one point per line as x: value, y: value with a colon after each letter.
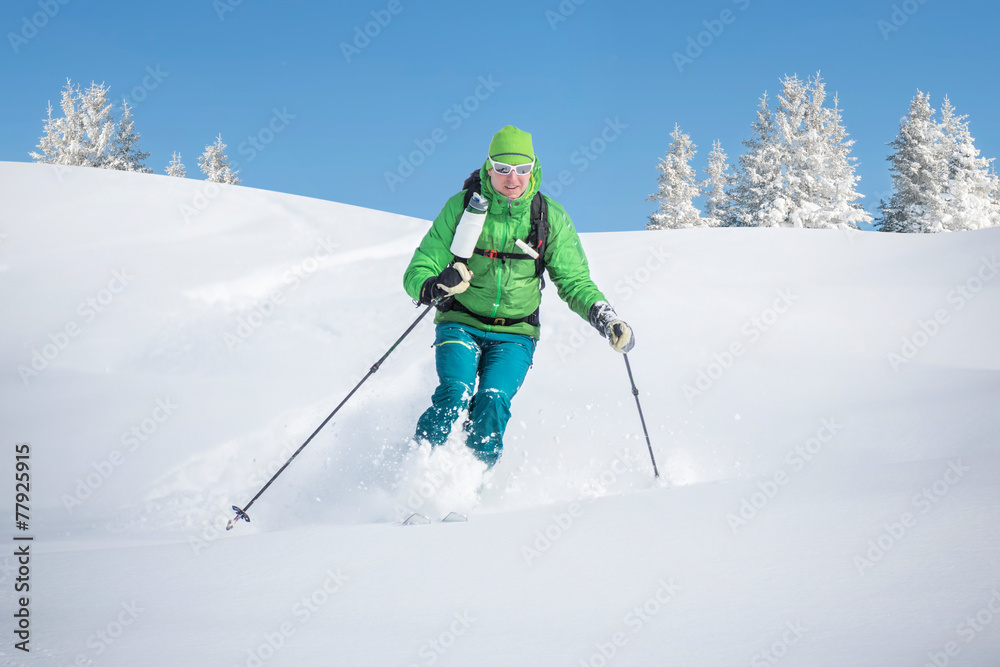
x: 821, y: 404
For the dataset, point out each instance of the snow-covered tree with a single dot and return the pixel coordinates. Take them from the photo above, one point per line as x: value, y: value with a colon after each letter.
x: 830, y: 182
x: 86, y: 135
x: 995, y: 195
x: 798, y: 171
x: 176, y: 167
x: 919, y: 171
x: 972, y: 185
x: 718, y: 203
x: 124, y: 153
x: 97, y: 123
x: 65, y: 141
x: 215, y: 165
x: 678, y: 186
x: 51, y: 144
x: 758, y: 199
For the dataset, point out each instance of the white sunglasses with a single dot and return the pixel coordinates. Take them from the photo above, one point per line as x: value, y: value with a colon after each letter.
x: 503, y: 169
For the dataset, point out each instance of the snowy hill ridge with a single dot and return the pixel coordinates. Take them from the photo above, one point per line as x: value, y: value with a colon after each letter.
x: 821, y: 403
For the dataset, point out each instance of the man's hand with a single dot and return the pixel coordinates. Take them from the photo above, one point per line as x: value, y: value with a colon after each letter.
x: 603, y: 318
x: 620, y: 335
x: 453, y: 280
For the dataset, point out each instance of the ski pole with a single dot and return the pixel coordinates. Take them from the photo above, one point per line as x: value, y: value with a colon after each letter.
x: 635, y: 392
x: 242, y: 513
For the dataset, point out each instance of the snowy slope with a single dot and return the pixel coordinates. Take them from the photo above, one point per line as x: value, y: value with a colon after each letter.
x: 822, y: 406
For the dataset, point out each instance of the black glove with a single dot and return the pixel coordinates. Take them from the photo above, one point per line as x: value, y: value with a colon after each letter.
x: 603, y: 318
x: 453, y: 280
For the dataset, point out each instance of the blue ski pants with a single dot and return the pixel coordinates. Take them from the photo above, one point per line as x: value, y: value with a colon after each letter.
x: 461, y: 354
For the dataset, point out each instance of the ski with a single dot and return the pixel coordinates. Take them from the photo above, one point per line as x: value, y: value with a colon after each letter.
x: 420, y: 519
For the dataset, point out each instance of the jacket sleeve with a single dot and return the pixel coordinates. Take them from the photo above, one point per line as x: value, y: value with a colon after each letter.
x: 567, y: 264
x: 434, y: 252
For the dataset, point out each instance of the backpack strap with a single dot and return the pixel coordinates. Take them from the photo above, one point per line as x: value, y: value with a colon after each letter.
x: 473, y: 183
x: 538, y: 237
x: 493, y: 254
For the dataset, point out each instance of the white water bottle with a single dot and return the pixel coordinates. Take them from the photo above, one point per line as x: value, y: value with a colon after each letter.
x: 469, y: 228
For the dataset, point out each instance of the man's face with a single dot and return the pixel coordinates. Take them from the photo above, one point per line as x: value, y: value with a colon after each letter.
x: 511, y: 185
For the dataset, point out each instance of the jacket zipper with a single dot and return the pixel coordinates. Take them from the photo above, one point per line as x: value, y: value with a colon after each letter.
x: 503, y: 244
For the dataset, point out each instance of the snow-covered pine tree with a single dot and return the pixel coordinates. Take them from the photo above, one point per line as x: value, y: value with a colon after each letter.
x: 215, y: 165
x: 678, y: 186
x: 797, y: 171
x: 124, y: 153
x: 716, y: 187
x: 83, y: 137
x: 835, y: 193
x: 176, y: 167
x: 757, y: 199
x: 50, y: 145
x: 63, y: 141
x: 98, y: 125
x: 971, y: 182
x: 919, y: 170
x: 819, y: 177
x: 995, y: 196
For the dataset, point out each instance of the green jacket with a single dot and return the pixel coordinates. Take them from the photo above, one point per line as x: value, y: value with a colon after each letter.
x: 506, y: 288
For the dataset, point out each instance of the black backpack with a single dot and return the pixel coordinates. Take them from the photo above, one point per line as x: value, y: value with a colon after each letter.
x: 538, y: 236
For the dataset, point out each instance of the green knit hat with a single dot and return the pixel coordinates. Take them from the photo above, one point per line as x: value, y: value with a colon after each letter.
x: 512, y: 146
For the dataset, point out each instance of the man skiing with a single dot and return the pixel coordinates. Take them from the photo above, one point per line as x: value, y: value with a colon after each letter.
x: 488, y: 323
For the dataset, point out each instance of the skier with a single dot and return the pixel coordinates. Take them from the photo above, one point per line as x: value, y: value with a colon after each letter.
x: 488, y: 320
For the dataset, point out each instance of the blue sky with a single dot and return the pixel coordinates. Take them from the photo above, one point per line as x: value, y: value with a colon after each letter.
x: 310, y: 104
